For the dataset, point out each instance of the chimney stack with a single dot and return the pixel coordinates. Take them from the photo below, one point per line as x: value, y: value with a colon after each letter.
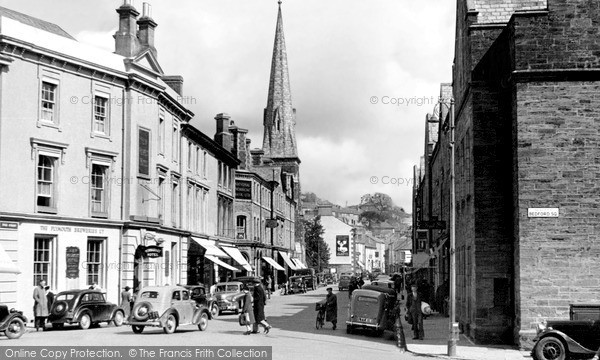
x: 240, y: 142
x: 175, y: 82
x: 126, y: 42
x: 257, y: 156
x: 146, y: 29
x: 223, y: 137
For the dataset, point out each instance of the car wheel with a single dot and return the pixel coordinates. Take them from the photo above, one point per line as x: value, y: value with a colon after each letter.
x: 550, y: 348
x: 170, y: 324
x: 203, y: 324
x: 118, y: 318
x: 214, y: 311
x: 15, y: 329
x: 137, y: 329
x: 85, y: 321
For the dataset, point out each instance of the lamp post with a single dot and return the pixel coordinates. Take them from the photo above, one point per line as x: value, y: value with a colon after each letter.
x: 453, y: 325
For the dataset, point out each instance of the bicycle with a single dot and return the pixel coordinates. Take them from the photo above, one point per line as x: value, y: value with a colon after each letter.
x: 320, y: 307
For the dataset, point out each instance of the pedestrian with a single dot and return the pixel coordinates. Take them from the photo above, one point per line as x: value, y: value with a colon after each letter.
x: 361, y: 282
x: 331, y: 307
x: 49, y: 296
x: 126, y: 301
x: 413, y: 307
x: 40, y: 305
x: 353, y: 286
x: 268, y: 281
x: 247, y: 310
x: 259, y: 309
x: 212, y: 289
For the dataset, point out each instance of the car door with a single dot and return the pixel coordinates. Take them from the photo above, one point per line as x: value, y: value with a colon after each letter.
x: 187, y: 307
x: 103, y: 309
x: 177, y: 304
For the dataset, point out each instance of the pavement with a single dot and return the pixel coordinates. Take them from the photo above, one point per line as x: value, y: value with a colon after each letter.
x: 436, y: 344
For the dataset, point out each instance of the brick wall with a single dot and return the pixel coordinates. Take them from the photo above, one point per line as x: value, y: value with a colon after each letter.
x: 500, y: 11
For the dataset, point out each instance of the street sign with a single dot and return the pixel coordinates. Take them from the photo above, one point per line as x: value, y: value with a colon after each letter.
x: 432, y: 224
x: 542, y: 212
x: 271, y: 223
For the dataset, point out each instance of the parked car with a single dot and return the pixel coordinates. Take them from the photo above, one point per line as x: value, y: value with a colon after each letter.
x: 297, y: 285
x: 388, y: 284
x: 344, y: 282
x: 563, y: 339
x: 229, y: 296
x: 167, y: 307
x: 372, y: 307
x: 249, y: 281
x: 203, y: 297
x: 328, y: 279
x: 83, y: 307
x: 12, y: 322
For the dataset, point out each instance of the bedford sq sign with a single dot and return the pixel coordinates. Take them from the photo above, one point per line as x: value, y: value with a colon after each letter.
x: 542, y: 212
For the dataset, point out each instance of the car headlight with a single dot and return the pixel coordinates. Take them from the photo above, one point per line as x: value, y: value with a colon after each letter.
x: 541, y: 326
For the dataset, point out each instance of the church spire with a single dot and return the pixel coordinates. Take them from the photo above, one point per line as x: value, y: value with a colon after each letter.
x: 279, y: 116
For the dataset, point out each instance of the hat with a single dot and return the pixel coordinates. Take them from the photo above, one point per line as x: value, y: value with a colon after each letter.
x: 127, y: 288
x: 329, y: 289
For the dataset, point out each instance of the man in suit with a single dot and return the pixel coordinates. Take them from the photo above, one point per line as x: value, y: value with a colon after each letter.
x: 413, y: 307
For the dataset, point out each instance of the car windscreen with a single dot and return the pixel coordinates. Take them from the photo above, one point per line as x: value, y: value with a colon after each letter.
x: 149, y: 295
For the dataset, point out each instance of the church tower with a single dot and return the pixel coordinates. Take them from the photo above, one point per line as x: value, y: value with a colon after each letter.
x: 279, y: 142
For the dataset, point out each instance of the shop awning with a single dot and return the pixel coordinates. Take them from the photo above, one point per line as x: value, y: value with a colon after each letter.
x: 420, y: 260
x: 220, y: 263
x: 288, y: 261
x: 299, y: 264
x: 211, y: 248
x: 360, y: 263
x: 237, y: 256
x: 273, y: 263
x: 7, y: 266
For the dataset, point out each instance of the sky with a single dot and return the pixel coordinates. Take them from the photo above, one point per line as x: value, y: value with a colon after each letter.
x: 363, y: 75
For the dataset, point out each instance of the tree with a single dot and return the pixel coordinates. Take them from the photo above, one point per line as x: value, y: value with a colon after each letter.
x: 317, y: 250
x: 377, y: 208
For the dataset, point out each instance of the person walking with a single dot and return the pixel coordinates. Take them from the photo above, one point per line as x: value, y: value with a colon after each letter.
x: 260, y: 301
x: 353, y: 286
x: 268, y: 282
x: 126, y: 301
x: 331, y: 307
x: 247, y: 310
x: 413, y: 307
x: 40, y: 305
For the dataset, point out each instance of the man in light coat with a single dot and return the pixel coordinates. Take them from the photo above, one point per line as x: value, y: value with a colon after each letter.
x: 40, y: 305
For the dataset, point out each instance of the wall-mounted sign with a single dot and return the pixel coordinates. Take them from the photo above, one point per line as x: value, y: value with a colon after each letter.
x: 144, y: 152
x: 342, y: 245
x: 9, y: 225
x: 72, y: 257
x: 243, y: 190
x: 153, y: 251
x: 542, y: 212
x: 271, y: 223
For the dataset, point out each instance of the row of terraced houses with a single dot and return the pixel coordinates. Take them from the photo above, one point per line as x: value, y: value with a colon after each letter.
x: 104, y: 180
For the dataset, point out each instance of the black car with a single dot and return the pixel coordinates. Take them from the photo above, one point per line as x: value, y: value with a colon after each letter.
x: 203, y: 297
x: 12, y: 322
x: 564, y: 339
x: 84, y: 307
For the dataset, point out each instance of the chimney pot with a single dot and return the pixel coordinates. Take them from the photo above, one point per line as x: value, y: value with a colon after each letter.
x: 147, y: 10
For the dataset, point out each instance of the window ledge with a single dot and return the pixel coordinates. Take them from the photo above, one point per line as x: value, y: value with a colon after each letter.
x: 102, y: 215
x: 46, y: 123
x: 47, y: 210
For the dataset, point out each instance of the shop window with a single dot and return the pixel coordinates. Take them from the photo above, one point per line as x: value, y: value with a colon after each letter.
x: 95, y: 257
x: 43, y: 254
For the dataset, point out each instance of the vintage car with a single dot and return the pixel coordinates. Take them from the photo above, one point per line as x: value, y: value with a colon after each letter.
x: 229, y: 296
x: 167, y: 307
x: 563, y: 339
x: 297, y: 285
x: 344, y: 282
x: 83, y: 307
x: 12, y: 322
x: 388, y: 284
x: 372, y: 307
x: 328, y: 279
x: 203, y: 297
x: 249, y: 281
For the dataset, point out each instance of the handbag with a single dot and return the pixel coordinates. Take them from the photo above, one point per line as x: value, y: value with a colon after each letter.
x: 244, y: 319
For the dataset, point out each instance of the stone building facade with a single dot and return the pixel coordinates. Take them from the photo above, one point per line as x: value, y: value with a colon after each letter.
x: 524, y: 81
